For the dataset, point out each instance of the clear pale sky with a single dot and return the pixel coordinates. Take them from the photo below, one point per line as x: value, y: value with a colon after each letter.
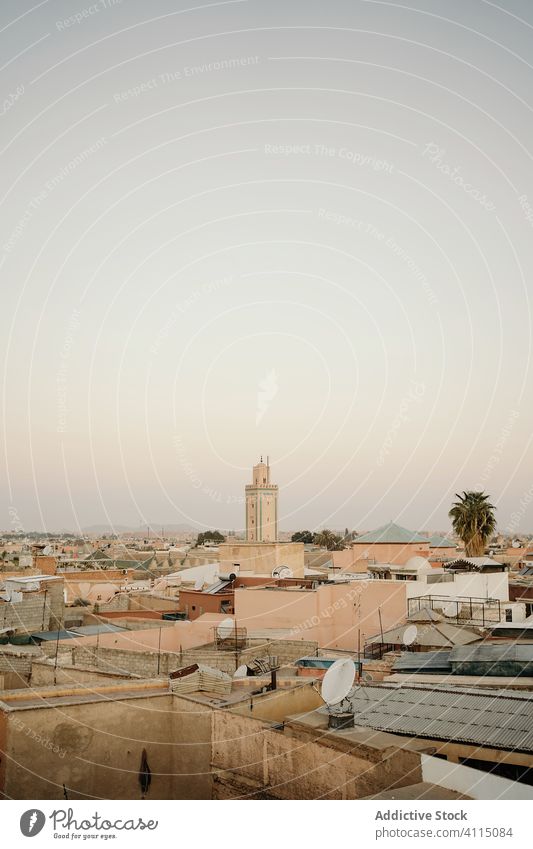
x: 300, y: 229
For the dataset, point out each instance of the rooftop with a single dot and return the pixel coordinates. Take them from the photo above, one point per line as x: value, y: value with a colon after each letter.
x: 391, y: 533
x: 437, y: 541
x: 500, y: 720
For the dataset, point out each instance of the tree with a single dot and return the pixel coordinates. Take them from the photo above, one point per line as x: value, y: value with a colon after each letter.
x: 302, y: 536
x: 327, y: 539
x: 210, y: 536
x: 473, y: 521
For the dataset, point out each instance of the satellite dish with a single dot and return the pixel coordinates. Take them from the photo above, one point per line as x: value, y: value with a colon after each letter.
x: 452, y: 609
x: 409, y: 635
x: 338, y: 681
x: 225, y: 629
x: 282, y: 572
x: 198, y: 584
x: 241, y: 672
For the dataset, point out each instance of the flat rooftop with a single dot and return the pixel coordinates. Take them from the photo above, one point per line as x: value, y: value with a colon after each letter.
x: 46, y: 697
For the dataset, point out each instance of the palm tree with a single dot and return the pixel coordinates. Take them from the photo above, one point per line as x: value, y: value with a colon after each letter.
x: 327, y: 539
x: 473, y: 521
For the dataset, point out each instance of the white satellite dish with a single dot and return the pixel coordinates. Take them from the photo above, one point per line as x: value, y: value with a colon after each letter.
x: 338, y: 681
x: 453, y: 608
x: 225, y: 629
x: 282, y: 572
x: 409, y: 635
x: 241, y: 672
x: 198, y: 584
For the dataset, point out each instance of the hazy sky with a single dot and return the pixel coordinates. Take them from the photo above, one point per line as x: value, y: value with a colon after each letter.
x: 300, y: 228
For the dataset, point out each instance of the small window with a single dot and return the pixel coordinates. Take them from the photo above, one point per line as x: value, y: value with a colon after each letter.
x: 508, y: 615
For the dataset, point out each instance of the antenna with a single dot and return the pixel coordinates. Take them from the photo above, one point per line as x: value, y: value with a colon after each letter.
x: 338, y: 681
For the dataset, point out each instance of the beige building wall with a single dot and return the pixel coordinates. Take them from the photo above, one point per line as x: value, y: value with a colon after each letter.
x: 248, y: 558
x: 94, y: 749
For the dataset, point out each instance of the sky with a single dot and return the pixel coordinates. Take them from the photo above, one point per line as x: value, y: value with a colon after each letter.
x: 239, y: 228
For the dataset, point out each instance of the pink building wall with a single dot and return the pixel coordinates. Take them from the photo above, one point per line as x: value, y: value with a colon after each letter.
x: 333, y: 614
x: 182, y: 634
x: 390, y: 552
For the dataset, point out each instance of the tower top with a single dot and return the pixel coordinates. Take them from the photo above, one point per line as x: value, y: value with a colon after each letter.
x: 261, y: 473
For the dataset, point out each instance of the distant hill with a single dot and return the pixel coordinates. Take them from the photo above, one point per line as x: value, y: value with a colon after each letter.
x: 154, y: 529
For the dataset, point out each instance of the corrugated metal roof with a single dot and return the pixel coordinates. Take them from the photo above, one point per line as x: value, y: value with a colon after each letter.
x: 433, y: 634
x: 427, y: 662
x: 493, y: 652
x: 499, y: 720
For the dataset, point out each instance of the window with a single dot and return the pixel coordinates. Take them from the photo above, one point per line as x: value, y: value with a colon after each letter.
x: 508, y: 615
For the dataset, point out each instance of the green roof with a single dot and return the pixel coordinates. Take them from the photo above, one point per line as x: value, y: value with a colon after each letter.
x: 437, y: 541
x: 97, y: 555
x: 391, y: 533
x: 145, y: 565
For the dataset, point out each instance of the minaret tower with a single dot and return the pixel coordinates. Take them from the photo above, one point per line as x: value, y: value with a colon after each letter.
x: 261, y: 506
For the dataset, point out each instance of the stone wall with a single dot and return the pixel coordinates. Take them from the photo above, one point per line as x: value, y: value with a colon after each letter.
x: 19, y: 663
x: 253, y: 760
x: 37, y: 611
x: 151, y: 664
x: 15, y: 669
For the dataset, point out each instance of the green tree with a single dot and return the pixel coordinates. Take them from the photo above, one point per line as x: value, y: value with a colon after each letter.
x: 327, y: 539
x: 473, y: 521
x: 210, y: 536
x: 302, y: 536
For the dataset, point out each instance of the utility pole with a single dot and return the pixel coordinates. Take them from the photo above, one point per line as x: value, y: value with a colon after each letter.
x: 55, y: 661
